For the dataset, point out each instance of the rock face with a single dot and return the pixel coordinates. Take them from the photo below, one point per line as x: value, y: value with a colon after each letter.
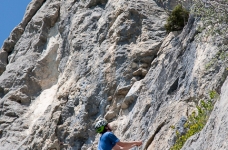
x: 69, y: 63
x: 213, y: 136
x: 170, y: 4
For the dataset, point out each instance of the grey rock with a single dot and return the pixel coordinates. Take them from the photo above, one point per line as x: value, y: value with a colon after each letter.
x: 3, y: 61
x: 144, y: 72
x: 170, y: 4
x: 132, y: 95
x: 133, y: 80
x: 66, y: 59
x: 123, y: 90
x: 15, y: 35
x: 143, y: 65
x: 134, y: 65
x: 94, y: 3
x: 110, y: 115
x: 180, y: 125
x: 137, y: 72
x: 110, y: 98
x: 213, y: 135
x: 150, y: 51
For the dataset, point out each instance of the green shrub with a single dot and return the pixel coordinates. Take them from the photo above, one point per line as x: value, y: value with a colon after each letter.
x: 194, y: 124
x: 177, y: 19
x: 213, y: 94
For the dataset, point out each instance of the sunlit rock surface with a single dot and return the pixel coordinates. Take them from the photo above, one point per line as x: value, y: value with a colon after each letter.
x: 69, y: 63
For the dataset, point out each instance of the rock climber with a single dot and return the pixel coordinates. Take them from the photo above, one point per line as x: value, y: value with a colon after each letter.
x: 109, y: 141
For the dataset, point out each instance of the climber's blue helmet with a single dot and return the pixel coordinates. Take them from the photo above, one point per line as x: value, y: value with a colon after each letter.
x: 100, y: 125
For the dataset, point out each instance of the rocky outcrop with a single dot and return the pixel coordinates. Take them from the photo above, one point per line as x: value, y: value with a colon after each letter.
x: 212, y: 136
x: 15, y: 35
x: 3, y: 61
x: 74, y: 62
x: 170, y: 4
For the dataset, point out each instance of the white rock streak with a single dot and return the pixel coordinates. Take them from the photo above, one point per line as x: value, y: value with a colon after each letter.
x: 39, y: 105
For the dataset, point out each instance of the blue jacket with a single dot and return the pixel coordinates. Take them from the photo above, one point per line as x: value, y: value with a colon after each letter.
x: 107, y: 141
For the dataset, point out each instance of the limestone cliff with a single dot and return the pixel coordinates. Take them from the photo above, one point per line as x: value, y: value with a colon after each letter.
x: 69, y: 63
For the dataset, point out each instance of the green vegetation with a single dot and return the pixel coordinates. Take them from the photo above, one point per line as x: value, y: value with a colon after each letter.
x: 222, y: 55
x: 213, y: 28
x: 212, y: 25
x: 196, y: 121
x: 211, y: 63
x: 213, y: 15
x: 177, y: 19
x: 172, y: 127
x: 213, y: 94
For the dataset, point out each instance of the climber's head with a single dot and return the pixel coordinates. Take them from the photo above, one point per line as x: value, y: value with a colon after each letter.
x: 102, y: 126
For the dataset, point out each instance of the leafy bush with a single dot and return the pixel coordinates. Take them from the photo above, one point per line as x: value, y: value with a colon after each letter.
x: 177, y: 19
x: 213, y: 94
x: 195, y: 123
